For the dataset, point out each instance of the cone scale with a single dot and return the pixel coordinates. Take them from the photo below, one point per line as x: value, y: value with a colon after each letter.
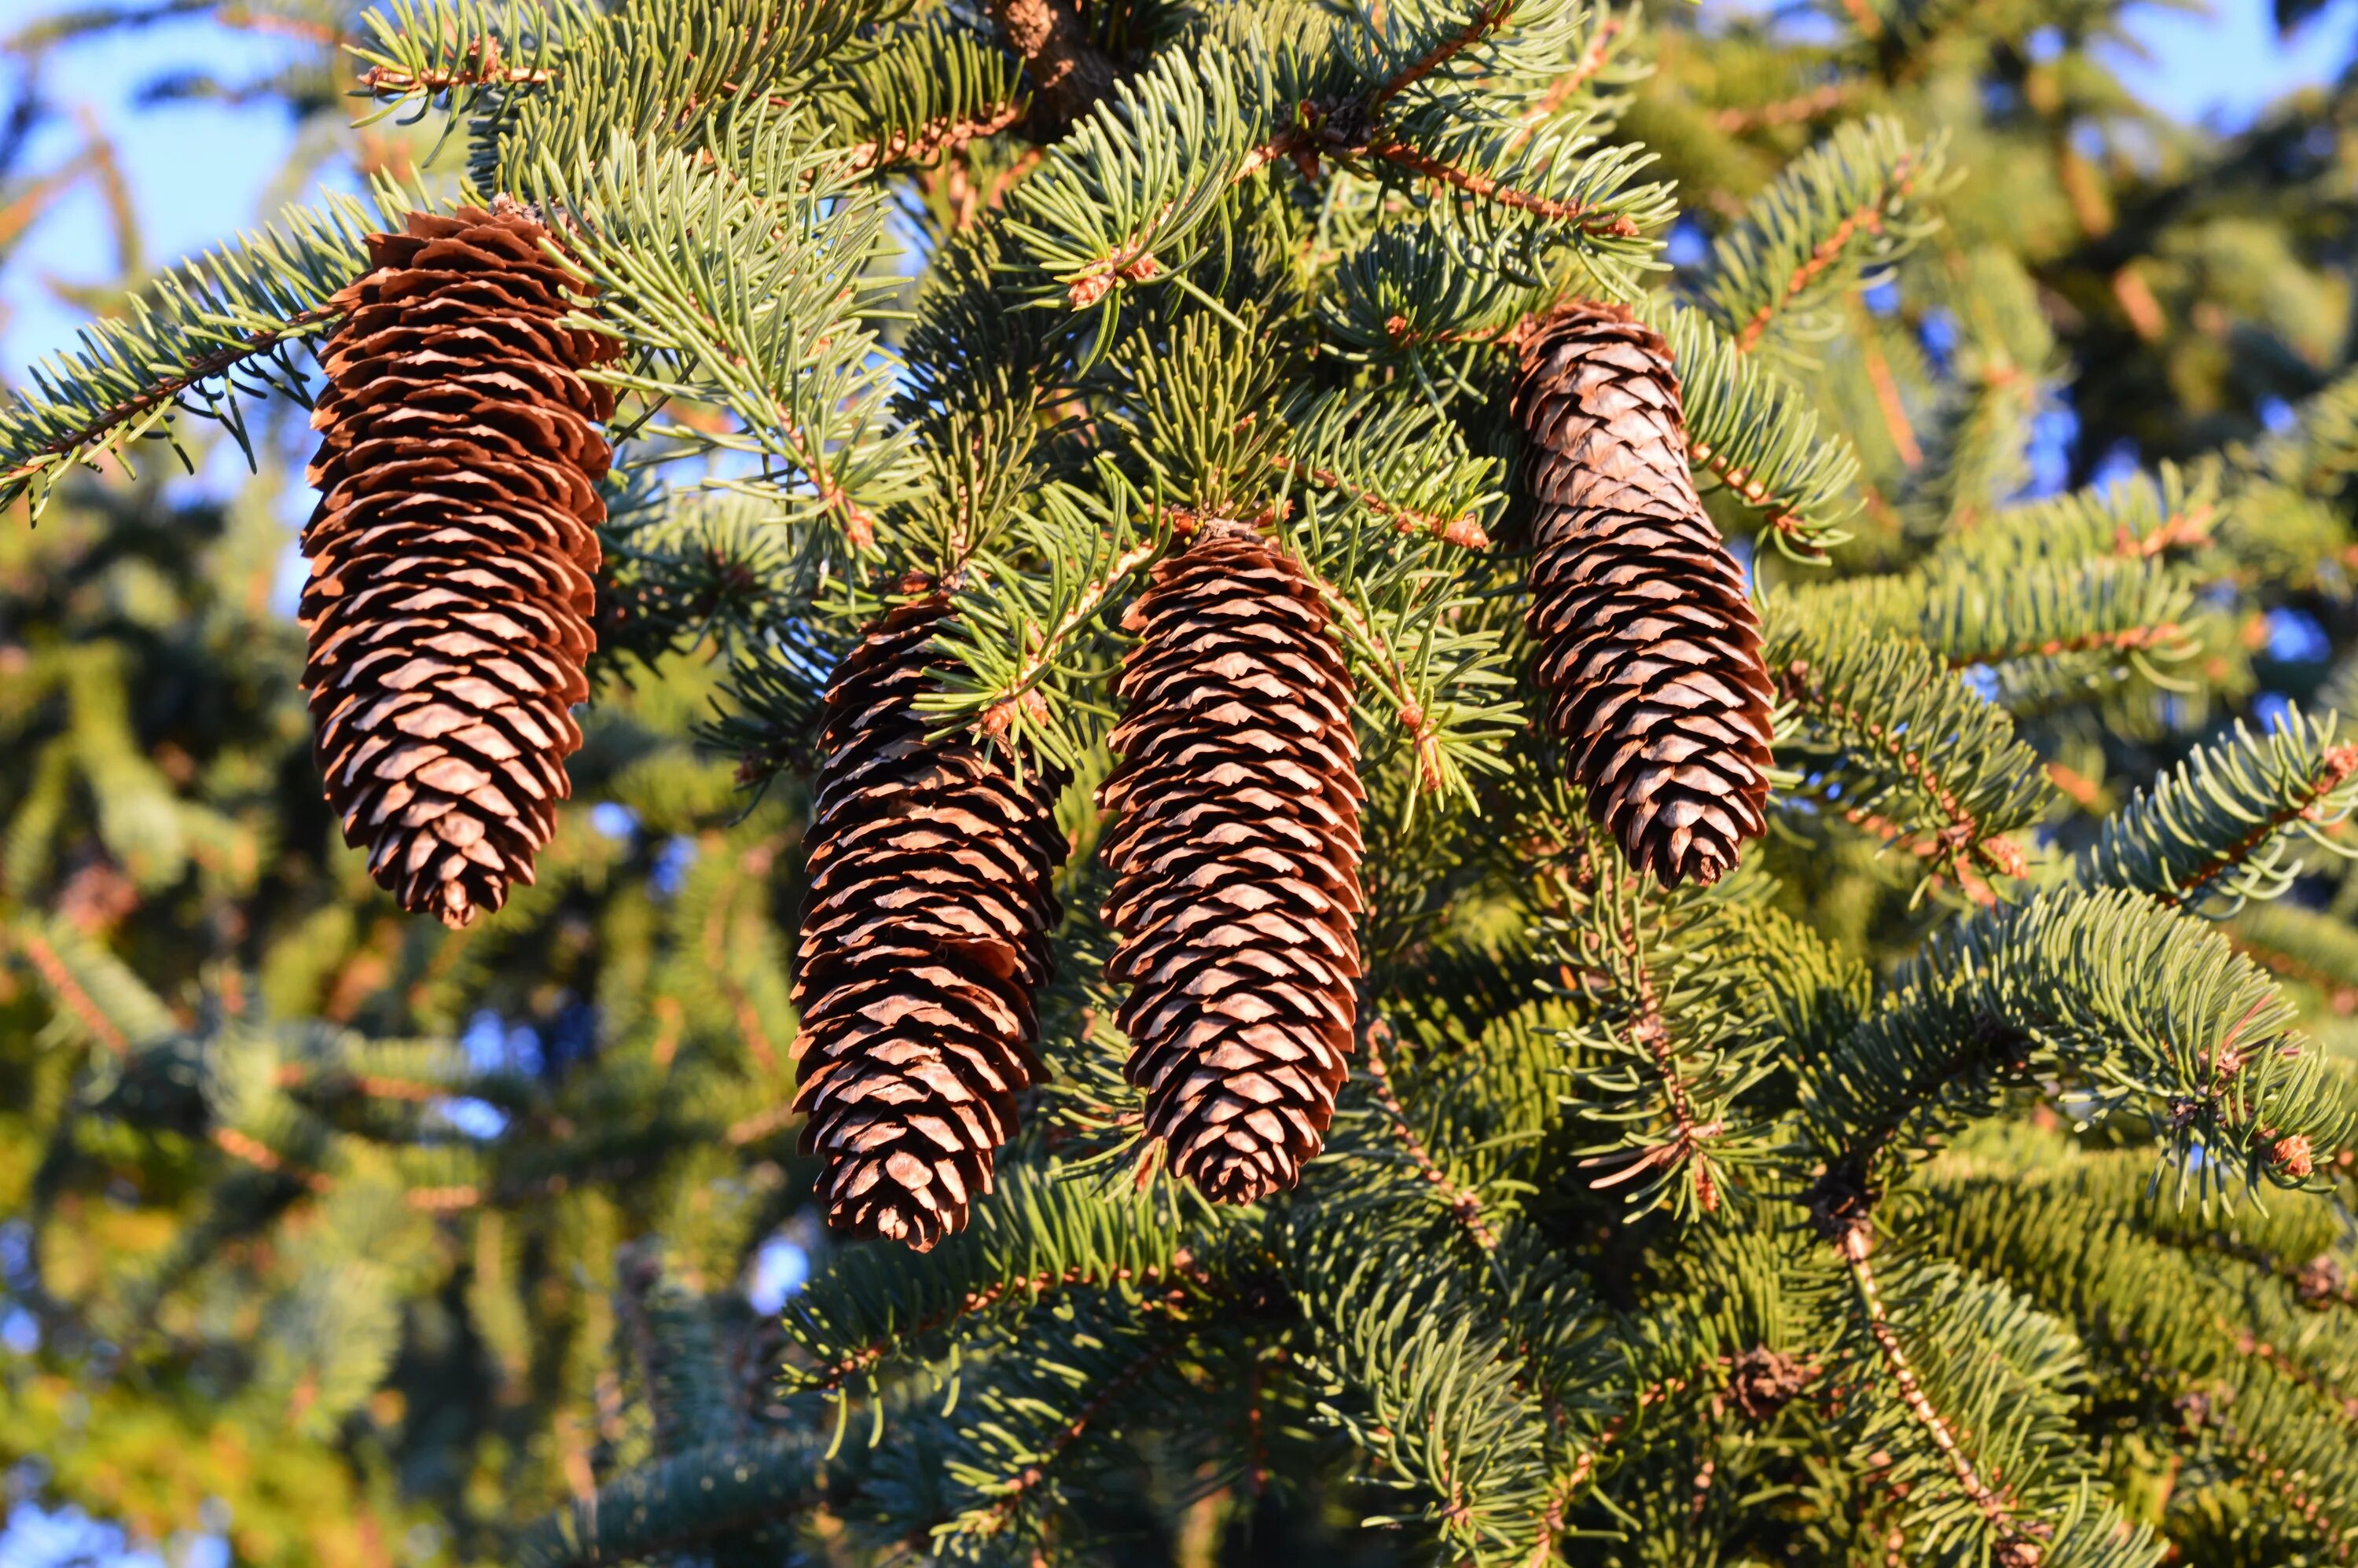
x: 1647, y: 644
x: 452, y: 552
x: 1235, y: 857
x: 924, y: 943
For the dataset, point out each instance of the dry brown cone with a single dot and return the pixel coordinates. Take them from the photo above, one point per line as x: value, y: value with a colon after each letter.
x: 924, y: 943
x: 1235, y: 864
x: 451, y: 555
x: 1644, y: 639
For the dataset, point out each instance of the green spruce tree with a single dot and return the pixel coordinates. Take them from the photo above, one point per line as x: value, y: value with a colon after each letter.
x: 1392, y: 743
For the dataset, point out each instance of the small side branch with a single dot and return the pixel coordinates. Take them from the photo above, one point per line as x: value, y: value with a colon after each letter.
x: 2016, y: 1543
x: 906, y: 149
x: 1488, y: 19
x: 1963, y: 836
x: 163, y: 390
x: 1868, y: 216
x: 68, y: 990
x: 1394, y: 678
x: 2334, y: 770
x: 1464, y: 1203
x: 1688, y: 1133
x: 1120, y: 1383
x: 1465, y: 532
x: 1393, y: 150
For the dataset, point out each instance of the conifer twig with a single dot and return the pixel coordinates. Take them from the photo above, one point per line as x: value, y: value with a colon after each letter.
x: 1465, y: 532
x: 1399, y: 688
x: 1487, y: 19
x: 927, y: 142
x: 1963, y: 833
x: 1122, y: 1382
x: 1802, y: 108
x: 1867, y: 215
x: 1650, y: 1030
x: 1580, y: 215
x: 1464, y: 1203
x: 2332, y: 771
x: 59, y: 979
x: 1852, y: 1244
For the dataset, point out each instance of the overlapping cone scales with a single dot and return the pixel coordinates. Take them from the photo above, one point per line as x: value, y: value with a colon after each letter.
x: 1645, y: 638
x: 1235, y: 863
x: 451, y: 555
x: 924, y: 943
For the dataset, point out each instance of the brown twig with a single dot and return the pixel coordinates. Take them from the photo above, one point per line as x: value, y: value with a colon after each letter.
x: 1492, y: 15
x: 927, y: 142
x: 77, y: 1001
x: 2189, y: 527
x: 1001, y: 716
x: 1963, y: 830
x: 1650, y: 1030
x: 1465, y: 532
x: 1424, y: 735
x: 1816, y: 103
x: 1994, y: 1506
x: 1580, y: 215
x: 1464, y: 1203
x: 1928, y: 847
x: 2334, y: 771
x: 480, y: 66
x: 204, y: 367
x: 1867, y: 215
x: 2127, y: 640
x: 1888, y: 403
x: 1583, y: 71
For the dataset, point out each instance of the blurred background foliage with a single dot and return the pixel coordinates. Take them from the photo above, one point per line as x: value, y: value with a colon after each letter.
x: 328, y: 1236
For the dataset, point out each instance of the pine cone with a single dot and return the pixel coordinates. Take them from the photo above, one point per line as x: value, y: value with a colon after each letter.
x: 1645, y: 637
x: 924, y: 943
x: 1235, y: 864
x: 451, y: 555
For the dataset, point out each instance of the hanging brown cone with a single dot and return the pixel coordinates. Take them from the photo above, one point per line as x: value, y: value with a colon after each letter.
x: 1235, y: 864
x: 1644, y: 639
x: 924, y: 943
x: 451, y: 555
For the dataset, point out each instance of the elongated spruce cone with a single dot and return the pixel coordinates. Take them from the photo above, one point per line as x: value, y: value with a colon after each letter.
x: 924, y: 943
x: 1644, y: 639
x: 451, y: 555
x: 1235, y: 863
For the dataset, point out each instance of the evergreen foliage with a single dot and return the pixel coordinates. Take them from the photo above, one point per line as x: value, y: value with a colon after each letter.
x: 1965, y: 1177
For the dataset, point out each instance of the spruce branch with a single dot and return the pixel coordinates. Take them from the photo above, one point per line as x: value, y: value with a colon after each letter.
x: 181, y: 345
x: 1034, y: 1237
x: 2015, y: 1539
x: 93, y: 986
x: 775, y: 334
x: 1465, y: 530
x: 1751, y: 428
x: 1838, y: 216
x: 676, y: 1504
x: 1905, y: 739
x: 2152, y: 1312
x: 1464, y: 1203
x: 2227, y: 824
x: 2128, y: 1006
x: 1006, y: 1495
